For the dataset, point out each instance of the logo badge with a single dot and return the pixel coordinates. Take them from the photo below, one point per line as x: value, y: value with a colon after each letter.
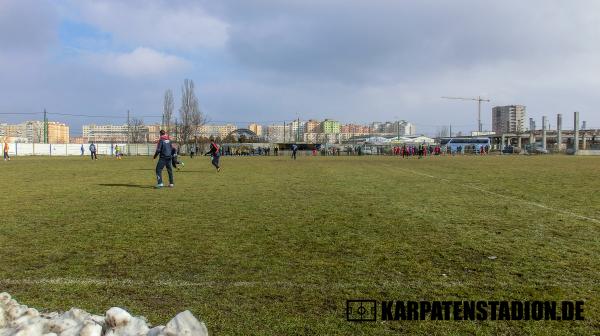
x: 361, y: 310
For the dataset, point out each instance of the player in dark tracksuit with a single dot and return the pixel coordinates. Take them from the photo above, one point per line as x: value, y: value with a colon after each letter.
x: 214, y: 152
x: 163, y: 150
x: 175, y: 157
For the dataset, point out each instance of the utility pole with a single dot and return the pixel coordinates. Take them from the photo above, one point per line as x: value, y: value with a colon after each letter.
x: 45, y: 126
x: 576, y: 132
x: 128, y: 132
x: 478, y: 100
x: 479, y: 115
x: 128, y: 126
x: 284, y: 131
x: 451, y: 130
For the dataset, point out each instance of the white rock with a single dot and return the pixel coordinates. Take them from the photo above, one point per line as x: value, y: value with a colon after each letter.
x: 32, y: 312
x: 7, y: 332
x: 4, y: 298
x: 91, y: 329
x: 59, y: 325
x: 33, y: 329
x: 135, y: 327
x: 116, y: 317
x: 26, y: 320
x: 3, y: 320
x: 15, y: 311
x: 98, y: 319
x: 19, y: 320
x: 157, y: 331
x: 76, y: 314
x: 185, y: 324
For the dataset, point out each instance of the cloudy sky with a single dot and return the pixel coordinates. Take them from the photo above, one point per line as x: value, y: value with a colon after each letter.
x: 273, y: 60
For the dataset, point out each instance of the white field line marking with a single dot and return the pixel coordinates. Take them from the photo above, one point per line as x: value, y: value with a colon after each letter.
x: 539, y: 205
x: 166, y: 283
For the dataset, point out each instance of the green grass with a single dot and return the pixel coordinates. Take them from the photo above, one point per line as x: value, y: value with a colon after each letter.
x: 272, y: 246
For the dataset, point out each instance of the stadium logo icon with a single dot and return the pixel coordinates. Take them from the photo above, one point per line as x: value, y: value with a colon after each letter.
x: 361, y: 310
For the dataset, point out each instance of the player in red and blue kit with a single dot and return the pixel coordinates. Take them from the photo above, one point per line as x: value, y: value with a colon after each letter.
x: 214, y: 152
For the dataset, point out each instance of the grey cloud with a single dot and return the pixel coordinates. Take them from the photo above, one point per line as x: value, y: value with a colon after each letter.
x: 358, y: 41
x: 27, y: 26
x: 350, y: 60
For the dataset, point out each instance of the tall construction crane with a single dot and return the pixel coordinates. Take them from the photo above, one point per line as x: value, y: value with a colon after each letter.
x: 478, y: 100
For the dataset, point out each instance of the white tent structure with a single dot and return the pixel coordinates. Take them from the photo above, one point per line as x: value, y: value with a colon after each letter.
x: 411, y: 140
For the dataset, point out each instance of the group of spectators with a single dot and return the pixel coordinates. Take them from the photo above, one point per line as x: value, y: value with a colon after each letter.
x: 421, y: 150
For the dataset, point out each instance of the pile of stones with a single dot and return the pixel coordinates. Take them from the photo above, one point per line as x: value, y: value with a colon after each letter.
x: 19, y: 320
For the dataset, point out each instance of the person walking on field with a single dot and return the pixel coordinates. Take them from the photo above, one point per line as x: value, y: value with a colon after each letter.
x: 82, y: 150
x: 163, y: 151
x: 93, y: 151
x: 215, y: 154
x: 6, y: 157
x: 294, y: 151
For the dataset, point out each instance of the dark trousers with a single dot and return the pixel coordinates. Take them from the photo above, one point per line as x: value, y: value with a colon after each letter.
x: 6, y: 155
x: 215, y: 161
x: 94, y: 156
x: 294, y: 155
x: 162, y: 163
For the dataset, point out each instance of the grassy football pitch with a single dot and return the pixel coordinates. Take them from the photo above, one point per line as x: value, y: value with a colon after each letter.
x: 272, y: 246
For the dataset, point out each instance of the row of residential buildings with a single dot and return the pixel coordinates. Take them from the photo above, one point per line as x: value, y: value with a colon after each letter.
x: 311, y: 131
x: 314, y: 131
x: 36, y: 131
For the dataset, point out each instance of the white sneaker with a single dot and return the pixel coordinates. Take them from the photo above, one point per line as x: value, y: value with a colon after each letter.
x: 171, y: 186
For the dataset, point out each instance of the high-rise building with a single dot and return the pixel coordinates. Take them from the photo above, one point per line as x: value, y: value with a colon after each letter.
x: 278, y: 133
x: 106, y: 133
x: 296, y: 129
x: 354, y: 129
x: 401, y: 127
x: 33, y: 131
x: 508, y: 119
x: 256, y: 128
x: 329, y: 126
x: 154, y: 132
x: 376, y: 127
x: 58, y: 133
x: 312, y: 126
x: 406, y: 128
x: 221, y: 131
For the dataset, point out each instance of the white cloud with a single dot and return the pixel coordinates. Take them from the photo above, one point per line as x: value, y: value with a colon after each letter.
x: 138, y: 63
x: 158, y: 24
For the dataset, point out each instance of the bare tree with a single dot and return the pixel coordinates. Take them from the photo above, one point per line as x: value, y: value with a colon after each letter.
x: 168, y: 108
x: 191, y: 118
x: 138, y: 131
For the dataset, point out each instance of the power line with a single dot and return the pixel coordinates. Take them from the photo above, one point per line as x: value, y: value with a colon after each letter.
x: 20, y: 113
